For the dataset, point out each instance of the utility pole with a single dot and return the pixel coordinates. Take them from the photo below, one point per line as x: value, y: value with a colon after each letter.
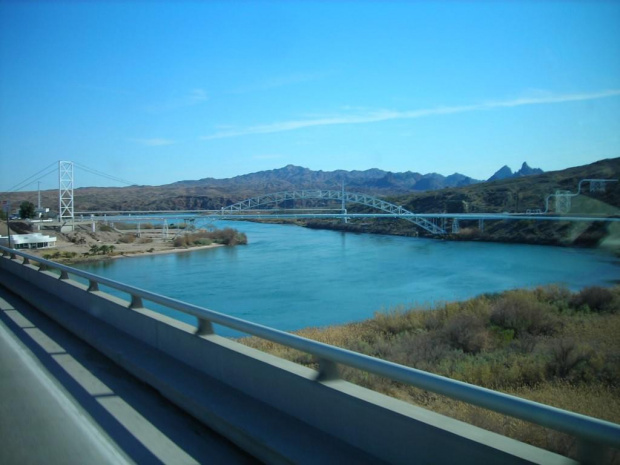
x: 8, y: 224
x: 344, y: 205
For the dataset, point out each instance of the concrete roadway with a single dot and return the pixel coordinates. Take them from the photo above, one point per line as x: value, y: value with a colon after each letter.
x: 62, y: 402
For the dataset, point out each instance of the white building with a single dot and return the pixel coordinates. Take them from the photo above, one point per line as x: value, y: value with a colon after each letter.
x: 29, y: 241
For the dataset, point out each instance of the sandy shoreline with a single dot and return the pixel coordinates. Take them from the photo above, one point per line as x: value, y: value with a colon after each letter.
x: 76, y: 247
x: 167, y: 251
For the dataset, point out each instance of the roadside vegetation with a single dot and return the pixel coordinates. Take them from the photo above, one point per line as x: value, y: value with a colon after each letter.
x: 226, y: 236
x: 548, y: 345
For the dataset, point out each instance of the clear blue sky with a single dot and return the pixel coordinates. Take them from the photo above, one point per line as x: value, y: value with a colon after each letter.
x: 159, y: 92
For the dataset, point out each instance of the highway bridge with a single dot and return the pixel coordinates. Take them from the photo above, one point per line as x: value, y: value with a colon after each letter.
x: 250, y: 209
x: 248, y: 405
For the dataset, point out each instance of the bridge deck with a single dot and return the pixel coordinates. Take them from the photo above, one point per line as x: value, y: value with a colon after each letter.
x: 63, y: 402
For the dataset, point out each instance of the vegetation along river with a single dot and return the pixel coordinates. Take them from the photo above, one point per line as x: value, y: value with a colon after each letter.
x: 290, y: 277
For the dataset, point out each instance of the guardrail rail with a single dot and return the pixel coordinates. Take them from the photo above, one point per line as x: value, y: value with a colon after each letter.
x: 594, y: 435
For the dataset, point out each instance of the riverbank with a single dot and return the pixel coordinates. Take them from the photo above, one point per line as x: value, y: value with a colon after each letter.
x: 548, y: 233
x: 82, y: 245
x: 548, y: 345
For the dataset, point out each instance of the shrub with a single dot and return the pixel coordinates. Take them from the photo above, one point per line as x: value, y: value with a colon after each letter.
x: 227, y: 236
x: 558, y: 296
x: 127, y: 238
x: 393, y: 321
x: 467, y: 332
x: 422, y: 351
x: 596, y: 299
x: 180, y: 241
x: 523, y: 313
x: 573, y: 361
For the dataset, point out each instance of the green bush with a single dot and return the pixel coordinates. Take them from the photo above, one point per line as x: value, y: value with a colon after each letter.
x: 180, y: 241
x: 523, y: 313
x: 227, y: 236
x: 467, y: 332
x: 596, y: 299
x: 127, y: 238
x: 573, y: 361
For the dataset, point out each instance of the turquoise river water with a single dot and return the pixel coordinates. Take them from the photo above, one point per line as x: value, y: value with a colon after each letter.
x: 289, y: 277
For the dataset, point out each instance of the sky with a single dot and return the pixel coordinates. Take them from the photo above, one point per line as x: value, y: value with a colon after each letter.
x: 151, y: 93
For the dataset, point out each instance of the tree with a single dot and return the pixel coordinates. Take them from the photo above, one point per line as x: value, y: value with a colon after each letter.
x: 26, y: 210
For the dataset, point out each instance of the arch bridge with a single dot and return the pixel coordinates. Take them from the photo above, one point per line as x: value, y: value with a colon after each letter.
x: 351, y: 197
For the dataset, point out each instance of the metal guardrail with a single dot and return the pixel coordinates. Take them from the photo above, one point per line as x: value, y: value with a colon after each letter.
x: 592, y: 433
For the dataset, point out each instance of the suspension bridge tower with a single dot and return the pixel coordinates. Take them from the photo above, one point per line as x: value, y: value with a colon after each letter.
x: 65, y: 194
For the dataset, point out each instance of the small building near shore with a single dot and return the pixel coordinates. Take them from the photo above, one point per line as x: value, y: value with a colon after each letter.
x: 29, y: 241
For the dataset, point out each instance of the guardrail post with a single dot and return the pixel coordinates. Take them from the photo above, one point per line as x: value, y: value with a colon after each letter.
x: 328, y: 370
x: 5, y: 253
x: 26, y: 261
x: 93, y: 285
x: 13, y: 255
x: 43, y: 267
x: 64, y: 275
x: 204, y: 328
x: 136, y: 302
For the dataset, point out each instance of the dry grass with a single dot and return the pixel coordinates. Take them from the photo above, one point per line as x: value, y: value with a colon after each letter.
x: 547, y: 344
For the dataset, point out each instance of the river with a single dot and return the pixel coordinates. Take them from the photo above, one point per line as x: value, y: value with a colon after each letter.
x: 289, y: 277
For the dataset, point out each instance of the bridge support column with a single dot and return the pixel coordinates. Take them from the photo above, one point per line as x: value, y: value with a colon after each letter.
x: 481, y: 225
x: 164, y: 230
x: 455, y: 226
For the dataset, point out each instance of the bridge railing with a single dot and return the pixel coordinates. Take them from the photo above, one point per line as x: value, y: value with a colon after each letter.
x: 593, y: 434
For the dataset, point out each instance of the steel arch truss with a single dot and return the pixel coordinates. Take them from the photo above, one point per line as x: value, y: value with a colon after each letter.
x: 363, y: 199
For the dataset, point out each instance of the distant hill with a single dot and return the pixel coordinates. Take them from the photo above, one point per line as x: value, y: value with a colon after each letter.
x: 505, y: 172
x: 419, y: 193
x: 293, y: 177
x: 519, y: 192
x: 516, y: 195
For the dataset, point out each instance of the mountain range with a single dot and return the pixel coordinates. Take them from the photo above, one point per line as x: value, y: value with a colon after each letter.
x: 505, y: 172
x: 374, y: 180
x: 210, y: 193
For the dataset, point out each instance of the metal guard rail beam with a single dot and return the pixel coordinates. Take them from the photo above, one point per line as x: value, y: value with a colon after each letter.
x: 591, y: 431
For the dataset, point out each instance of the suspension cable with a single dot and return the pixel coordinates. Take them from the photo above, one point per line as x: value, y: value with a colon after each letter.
x: 104, y: 175
x: 26, y: 182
